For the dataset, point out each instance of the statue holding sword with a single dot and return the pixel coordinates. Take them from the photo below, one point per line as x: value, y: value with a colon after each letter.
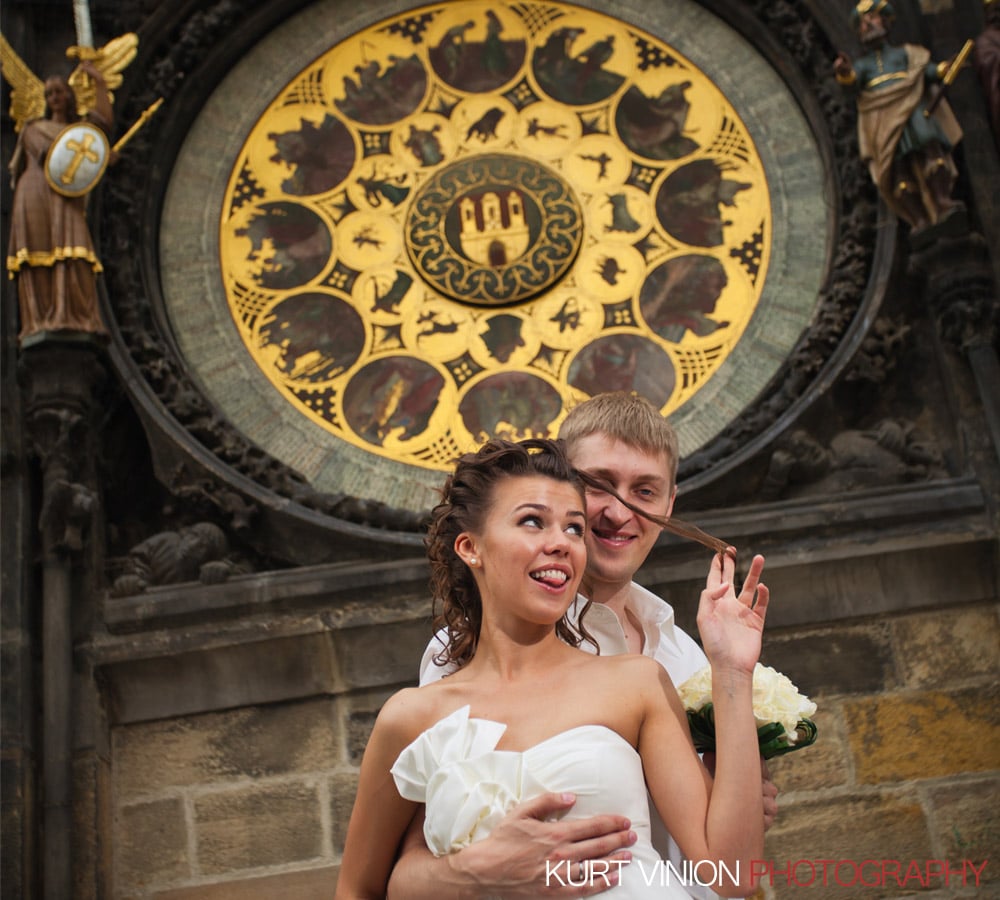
x: 905, y: 134
x: 62, y: 151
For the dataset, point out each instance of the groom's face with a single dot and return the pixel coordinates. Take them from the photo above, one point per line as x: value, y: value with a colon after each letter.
x: 619, y: 540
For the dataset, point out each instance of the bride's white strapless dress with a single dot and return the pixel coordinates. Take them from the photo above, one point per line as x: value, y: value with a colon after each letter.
x: 468, y: 786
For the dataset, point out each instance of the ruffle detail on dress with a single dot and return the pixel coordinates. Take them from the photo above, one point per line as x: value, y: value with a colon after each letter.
x: 465, y: 783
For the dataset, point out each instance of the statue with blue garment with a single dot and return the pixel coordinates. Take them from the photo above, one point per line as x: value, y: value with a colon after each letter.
x: 905, y: 132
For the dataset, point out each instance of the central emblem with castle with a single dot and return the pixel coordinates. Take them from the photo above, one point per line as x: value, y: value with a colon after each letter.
x: 494, y: 231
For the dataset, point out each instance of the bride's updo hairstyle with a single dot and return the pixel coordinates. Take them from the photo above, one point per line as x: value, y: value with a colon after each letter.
x: 466, y: 498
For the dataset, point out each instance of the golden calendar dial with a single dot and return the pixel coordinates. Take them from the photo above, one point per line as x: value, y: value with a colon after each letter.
x: 393, y: 231
x: 463, y: 219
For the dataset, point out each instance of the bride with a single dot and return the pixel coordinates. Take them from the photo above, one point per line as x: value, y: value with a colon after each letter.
x: 528, y: 712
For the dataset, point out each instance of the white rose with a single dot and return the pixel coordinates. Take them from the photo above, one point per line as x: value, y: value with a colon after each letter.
x: 697, y: 690
x: 775, y: 698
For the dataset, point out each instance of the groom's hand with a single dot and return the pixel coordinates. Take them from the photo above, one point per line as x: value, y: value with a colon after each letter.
x: 530, y: 853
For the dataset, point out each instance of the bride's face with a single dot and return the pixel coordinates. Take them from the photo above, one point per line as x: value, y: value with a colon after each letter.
x: 529, y: 555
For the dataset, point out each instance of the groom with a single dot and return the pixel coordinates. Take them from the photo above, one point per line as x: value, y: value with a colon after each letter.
x: 623, y: 439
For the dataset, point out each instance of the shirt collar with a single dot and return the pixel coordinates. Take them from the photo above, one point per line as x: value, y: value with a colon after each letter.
x: 655, y: 615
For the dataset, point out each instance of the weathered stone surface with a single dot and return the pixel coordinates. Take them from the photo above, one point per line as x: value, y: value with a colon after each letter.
x: 359, y: 726
x: 243, y: 743
x: 850, y: 829
x: 348, y: 592
x: 359, y: 718
x: 92, y: 819
x: 851, y: 659
x: 966, y: 819
x: 845, y: 564
x: 386, y: 654
x: 941, y: 647
x: 808, y: 588
x: 151, y: 844
x: 930, y: 734
x: 258, y: 826
x: 18, y: 803
x: 15, y: 670
x: 264, y: 671
x: 308, y: 884
x: 822, y: 765
x: 342, y: 791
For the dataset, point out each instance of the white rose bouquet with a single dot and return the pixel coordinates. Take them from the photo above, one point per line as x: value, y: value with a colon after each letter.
x: 782, y: 713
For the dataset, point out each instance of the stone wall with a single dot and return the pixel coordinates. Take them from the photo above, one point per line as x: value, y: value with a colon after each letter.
x: 260, y: 793
x: 907, y: 764
x: 253, y: 802
x: 235, y: 745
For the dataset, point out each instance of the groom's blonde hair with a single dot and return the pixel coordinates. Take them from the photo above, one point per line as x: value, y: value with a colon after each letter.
x: 623, y: 416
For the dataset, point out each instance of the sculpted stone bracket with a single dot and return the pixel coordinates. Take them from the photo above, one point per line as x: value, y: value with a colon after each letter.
x: 61, y: 379
x: 957, y: 284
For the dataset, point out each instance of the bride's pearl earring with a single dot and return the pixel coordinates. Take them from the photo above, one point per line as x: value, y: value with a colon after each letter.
x: 473, y: 560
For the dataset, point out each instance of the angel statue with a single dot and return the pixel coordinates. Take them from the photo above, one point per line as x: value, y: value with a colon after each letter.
x: 51, y: 253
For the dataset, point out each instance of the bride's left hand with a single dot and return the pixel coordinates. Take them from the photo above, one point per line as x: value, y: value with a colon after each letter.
x: 730, y: 625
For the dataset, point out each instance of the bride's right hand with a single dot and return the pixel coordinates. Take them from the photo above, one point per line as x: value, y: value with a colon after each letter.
x: 730, y: 625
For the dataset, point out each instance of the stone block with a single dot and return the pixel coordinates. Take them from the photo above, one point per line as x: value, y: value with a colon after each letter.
x: 359, y: 718
x: 846, y: 830
x: 151, y: 845
x: 929, y: 734
x: 967, y: 822
x: 253, y: 827
x: 342, y: 791
x: 246, y: 674
x: 951, y: 646
x: 822, y: 580
x: 382, y: 655
x: 817, y: 767
x: 310, y: 884
x: 243, y: 743
x: 825, y: 591
x: 17, y: 683
x: 846, y: 659
x: 18, y: 823
x: 92, y: 821
x: 358, y: 724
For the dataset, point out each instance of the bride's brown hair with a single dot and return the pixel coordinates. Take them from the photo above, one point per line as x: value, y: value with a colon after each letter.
x: 466, y: 498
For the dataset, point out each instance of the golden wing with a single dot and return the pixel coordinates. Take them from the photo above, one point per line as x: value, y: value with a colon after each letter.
x: 27, y: 95
x: 110, y: 60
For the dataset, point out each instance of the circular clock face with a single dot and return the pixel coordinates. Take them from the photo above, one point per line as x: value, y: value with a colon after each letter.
x: 459, y: 220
